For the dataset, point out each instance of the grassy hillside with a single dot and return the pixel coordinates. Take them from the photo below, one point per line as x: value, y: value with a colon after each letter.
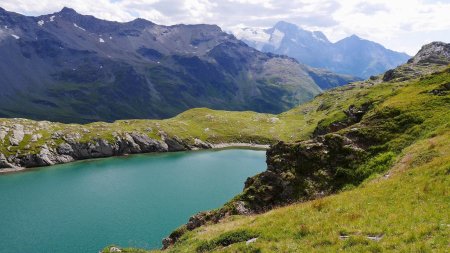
x: 403, y: 210
x: 208, y: 125
x: 205, y: 124
x: 395, y: 198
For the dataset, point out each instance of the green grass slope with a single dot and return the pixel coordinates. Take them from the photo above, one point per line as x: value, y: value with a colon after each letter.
x: 406, y: 210
x: 399, y: 198
x: 214, y: 126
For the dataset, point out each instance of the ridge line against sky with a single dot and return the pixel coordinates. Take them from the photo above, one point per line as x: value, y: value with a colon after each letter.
x: 401, y: 25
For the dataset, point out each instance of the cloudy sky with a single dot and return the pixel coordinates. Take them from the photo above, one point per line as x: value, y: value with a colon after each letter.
x: 402, y: 25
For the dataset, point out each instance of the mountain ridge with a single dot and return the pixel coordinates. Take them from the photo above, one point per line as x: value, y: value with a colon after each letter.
x: 313, y: 48
x: 70, y: 67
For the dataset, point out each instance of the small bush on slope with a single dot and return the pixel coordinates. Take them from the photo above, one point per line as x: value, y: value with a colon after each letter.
x: 226, y: 239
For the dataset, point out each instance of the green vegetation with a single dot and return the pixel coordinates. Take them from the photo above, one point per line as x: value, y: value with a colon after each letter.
x: 213, y: 126
x: 400, y: 194
x: 388, y: 99
x: 226, y: 239
x: 406, y: 211
x: 402, y: 211
x: 205, y: 124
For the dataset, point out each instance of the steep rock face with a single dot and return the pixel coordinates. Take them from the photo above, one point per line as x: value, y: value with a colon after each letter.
x: 302, y: 171
x: 64, y: 148
x: 435, y: 52
x: 352, y: 56
x: 431, y: 58
x: 75, y: 150
x: 83, y: 69
x: 17, y: 135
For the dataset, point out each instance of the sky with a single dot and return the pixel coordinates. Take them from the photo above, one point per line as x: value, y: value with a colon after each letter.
x: 401, y: 25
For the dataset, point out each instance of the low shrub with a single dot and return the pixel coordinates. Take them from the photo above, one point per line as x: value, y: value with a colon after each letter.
x: 378, y: 164
x: 226, y: 239
x: 231, y: 237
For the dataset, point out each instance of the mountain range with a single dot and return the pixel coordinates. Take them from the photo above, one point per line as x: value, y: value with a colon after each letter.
x: 70, y: 67
x: 352, y: 55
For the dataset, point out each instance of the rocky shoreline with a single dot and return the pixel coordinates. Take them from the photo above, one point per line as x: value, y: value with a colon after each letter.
x: 239, y: 145
x: 71, y: 151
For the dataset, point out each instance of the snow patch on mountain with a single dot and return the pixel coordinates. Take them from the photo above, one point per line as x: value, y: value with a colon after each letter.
x: 276, y: 38
x: 314, y: 49
x: 2, y: 34
x: 318, y: 36
x: 79, y: 27
x: 258, y: 36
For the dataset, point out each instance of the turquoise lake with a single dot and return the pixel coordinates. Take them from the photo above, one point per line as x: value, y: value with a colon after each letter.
x: 131, y: 201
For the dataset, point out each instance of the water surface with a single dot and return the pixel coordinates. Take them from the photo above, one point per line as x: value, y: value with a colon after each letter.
x: 130, y: 201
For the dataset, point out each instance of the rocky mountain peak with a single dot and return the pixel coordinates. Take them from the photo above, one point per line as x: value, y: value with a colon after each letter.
x: 286, y: 27
x: 320, y: 36
x: 352, y: 38
x: 351, y: 56
x: 434, y: 52
x: 2, y: 12
x: 141, y: 23
x: 68, y: 11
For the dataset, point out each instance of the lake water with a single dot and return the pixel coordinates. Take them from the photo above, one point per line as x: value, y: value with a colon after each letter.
x: 129, y: 201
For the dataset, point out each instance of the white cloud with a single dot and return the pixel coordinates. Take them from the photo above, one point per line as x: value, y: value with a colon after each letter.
x: 402, y: 25
x: 199, y: 9
x: 396, y: 24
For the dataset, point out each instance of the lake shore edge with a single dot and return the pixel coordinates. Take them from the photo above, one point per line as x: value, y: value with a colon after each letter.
x: 212, y: 146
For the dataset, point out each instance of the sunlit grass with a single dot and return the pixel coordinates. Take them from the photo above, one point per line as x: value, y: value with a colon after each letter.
x: 404, y: 212
x: 401, y: 206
